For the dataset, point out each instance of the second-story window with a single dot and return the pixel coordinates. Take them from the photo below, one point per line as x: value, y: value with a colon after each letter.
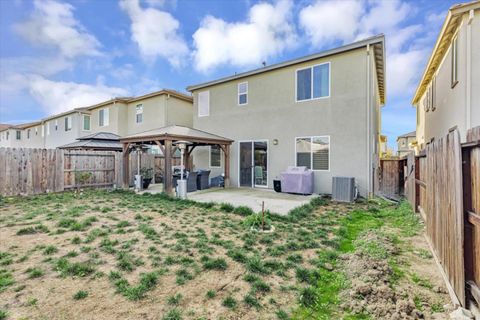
x: 204, y: 103
x: 43, y: 130
x: 139, y: 113
x: 454, y: 62
x: 242, y: 93
x: 19, y: 134
x: 48, y: 128
x: 28, y: 134
x: 36, y: 131
x: 56, y: 125
x: 8, y: 135
x: 313, y: 82
x: 103, y: 117
x: 86, y: 122
x: 68, y: 123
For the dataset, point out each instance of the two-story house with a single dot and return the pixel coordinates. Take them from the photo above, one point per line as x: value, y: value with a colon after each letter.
x: 320, y: 111
x: 406, y: 143
x: 448, y: 94
x: 20, y: 136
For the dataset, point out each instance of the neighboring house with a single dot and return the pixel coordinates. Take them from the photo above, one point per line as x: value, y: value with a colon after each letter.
x: 321, y: 111
x: 383, y: 147
x: 119, y: 116
x: 406, y: 143
x: 448, y: 94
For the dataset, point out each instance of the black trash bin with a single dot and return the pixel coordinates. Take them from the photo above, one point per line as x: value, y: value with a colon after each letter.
x: 277, y: 185
x: 203, y: 177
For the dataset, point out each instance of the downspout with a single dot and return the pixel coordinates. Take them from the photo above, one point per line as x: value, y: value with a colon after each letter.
x: 165, y: 110
x: 368, y: 123
x: 468, y: 123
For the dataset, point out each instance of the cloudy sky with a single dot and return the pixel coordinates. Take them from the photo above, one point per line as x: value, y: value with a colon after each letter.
x: 58, y: 55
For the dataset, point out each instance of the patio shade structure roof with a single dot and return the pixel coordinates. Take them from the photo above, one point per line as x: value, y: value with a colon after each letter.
x: 164, y: 138
x: 96, y: 141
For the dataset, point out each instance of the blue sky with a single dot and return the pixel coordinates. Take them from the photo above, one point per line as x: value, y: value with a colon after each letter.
x: 58, y: 55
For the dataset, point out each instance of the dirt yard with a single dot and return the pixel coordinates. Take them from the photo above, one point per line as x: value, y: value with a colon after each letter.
x: 117, y: 255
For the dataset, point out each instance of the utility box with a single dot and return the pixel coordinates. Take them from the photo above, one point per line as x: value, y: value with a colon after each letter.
x: 343, y: 189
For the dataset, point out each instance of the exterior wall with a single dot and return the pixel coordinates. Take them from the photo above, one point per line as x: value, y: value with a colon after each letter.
x: 153, y: 115
x: 452, y: 107
x: 179, y: 112
x: 117, y: 122
x: 272, y: 113
x: 60, y: 137
x: 5, y: 141
x: 36, y: 140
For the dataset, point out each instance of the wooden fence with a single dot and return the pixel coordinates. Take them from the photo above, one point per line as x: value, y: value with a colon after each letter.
x: 443, y: 185
x: 391, y: 178
x: 27, y: 171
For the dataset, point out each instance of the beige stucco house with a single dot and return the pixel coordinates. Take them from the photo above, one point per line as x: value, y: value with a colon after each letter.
x: 120, y: 116
x: 321, y: 111
x: 406, y: 143
x: 448, y: 94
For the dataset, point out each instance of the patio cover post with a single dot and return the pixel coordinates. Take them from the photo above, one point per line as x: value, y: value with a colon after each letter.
x: 126, y: 162
x: 226, y: 152
x: 167, y: 178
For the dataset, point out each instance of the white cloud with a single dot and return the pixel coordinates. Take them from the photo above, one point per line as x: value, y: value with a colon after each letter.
x: 52, y: 24
x: 156, y: 33
x: 268, y: 31
x: 328, y: 21
x: 403, y: 71
x: 57, y: 97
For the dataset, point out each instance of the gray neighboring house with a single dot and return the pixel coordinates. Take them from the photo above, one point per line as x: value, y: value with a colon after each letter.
x: 406, y: 143
x: 321, y: 111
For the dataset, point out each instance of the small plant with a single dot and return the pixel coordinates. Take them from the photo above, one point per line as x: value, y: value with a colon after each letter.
x: 79, y: 295
x: 211, y: 294
x: 175, y: 299
x: 255, y: 221
x: 251, y: 300
x: 50, y: 250
x: 33, y: 230
x: 282, y: 315
x: 146, y: 173
x: 227, y: 207
x: 229, y: 302
x: 82, y: 178
x: 34, y: 272
x: 173, y: 314
x: 308, y: 296
x: 214, y: 264
x: 6, y: 279
x: 3, y: 314
x: 243, y: 211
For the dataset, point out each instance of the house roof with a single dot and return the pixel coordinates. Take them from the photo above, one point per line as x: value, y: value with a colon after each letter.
x: 378, y: 42
x: 4, y: 126
x: 101, y: 136
x: 99, y: 140
x: 407, y: 135
x: 176, y: 132
x: 452, y: 21
x: 27, y: 125
x: 84, y: 110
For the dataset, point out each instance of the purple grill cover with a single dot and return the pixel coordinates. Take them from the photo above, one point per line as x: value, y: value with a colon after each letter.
x: 297, y: 180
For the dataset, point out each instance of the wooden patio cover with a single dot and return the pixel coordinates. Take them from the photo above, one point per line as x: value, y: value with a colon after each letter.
x: 164, y: 138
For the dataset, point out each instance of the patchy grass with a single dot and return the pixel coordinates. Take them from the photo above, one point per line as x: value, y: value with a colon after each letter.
x: 188, y: 260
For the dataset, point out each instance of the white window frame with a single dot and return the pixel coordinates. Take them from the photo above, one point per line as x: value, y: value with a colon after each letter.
x: 43, y: 130
x: 89, y: 122
x: 28, y: 133
x: 18, y: 135
x: 56, y: 125
x: 244, y: 93
x: 207, y: 93
x: 138, y: 107
x: 106, y: 117
x: 68, y: 123
x: 210, y: 157
x: 48, y: 127
x: 311, y: 153
x: 311, y: 75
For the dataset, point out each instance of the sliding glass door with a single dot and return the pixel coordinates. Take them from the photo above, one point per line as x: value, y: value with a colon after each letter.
x: 253, y: 163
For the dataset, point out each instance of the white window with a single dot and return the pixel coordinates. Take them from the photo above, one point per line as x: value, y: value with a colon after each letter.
x: 103, y: 117
x: 454, y: 62
x: 19, y: 135
x: 28, y: 133
x: 204, y: 103
x: 56, y: 125
x: 139, y: 113
x: 313, y: 82
x: 36, y: 131
x: 68, y: 123
x: 313, y: 152
x: 8, y: 135
x: 86, y: 122
x: 48, y: 128
x: 215, y: 157
x: 243, y: 93
x: 43, y: 130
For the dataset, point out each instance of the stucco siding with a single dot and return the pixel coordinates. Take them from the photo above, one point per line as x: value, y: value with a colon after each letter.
x: 60, y: 137
x: 475, y: 59
x: 153, y: 115
x: 272, y: 113
x: 179, y: 112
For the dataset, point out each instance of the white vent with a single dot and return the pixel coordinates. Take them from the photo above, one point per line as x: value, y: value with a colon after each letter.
x: 343, y: 189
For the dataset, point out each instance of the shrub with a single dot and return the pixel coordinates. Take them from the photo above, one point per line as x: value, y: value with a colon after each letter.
x: 255, y: 220
x: 211, y: 294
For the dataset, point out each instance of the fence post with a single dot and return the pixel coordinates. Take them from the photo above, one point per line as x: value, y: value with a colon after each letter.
x: 417, y: 186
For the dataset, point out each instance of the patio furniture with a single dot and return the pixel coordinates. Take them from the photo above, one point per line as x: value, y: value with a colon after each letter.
x: 191, y: 178
x: 277, y: 185
x: 217, y: 181
x: 258, y: 175
x: 297, y: 180
x: 203, y: 177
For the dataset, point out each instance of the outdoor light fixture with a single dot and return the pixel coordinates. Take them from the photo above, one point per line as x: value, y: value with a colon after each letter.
x: 275, y: 142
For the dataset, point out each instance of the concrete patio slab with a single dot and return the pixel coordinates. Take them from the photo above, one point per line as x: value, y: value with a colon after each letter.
x: 280, y: 203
